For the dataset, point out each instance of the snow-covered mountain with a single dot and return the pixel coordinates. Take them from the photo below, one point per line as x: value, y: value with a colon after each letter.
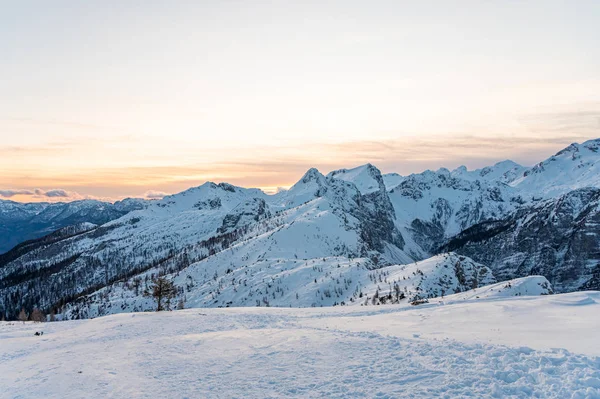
x: 20, y: 222
x: 503, y: 172
x: 327, y: 240
x: 575, y: 167
x: 558, y: 238
x: 319, y: 217
x: 431, y: 207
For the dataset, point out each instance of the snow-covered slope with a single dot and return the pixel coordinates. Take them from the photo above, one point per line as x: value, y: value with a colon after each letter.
x: 515, y: 347
x: 366, y: 178
x: 524, y: 286
x: 256, y: 273
x: 503, y: 172
x: 391, y: 180
x: 575, y: 167
x: 20, y: 222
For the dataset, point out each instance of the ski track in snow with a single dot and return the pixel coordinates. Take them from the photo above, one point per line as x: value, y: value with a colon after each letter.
x: 313, y: 353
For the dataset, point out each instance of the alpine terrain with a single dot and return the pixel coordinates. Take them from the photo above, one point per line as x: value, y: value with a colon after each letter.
x: 351, y: 237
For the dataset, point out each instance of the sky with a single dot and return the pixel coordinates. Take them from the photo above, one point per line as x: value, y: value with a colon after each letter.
x: 110, y: 99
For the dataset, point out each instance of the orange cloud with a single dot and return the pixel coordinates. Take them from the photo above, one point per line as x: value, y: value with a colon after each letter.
x: 274, y: 167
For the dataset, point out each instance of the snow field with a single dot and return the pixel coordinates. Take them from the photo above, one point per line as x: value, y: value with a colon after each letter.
x: 479, y: 348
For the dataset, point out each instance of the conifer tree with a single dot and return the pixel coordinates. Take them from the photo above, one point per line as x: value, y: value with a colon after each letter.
x: 163, y: 291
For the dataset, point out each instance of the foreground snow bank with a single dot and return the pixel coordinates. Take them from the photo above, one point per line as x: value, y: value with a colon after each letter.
x: 500, y: 347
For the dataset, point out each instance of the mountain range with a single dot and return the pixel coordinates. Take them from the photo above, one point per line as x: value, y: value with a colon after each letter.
x: 353, y: 236
x: 27, y: 221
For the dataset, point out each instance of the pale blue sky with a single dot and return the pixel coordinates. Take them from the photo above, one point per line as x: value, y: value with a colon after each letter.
x: 110, y: 98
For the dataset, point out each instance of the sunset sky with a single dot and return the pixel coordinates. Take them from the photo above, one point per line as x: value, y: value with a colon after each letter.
x: 108, y: 99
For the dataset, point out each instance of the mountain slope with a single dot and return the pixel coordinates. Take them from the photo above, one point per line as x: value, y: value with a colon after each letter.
x: 244, y: 275
x: 577, y: 166
x: 318, y: 217
x: 558, y: 238
x: 20, y: 222
x: 433, y: 206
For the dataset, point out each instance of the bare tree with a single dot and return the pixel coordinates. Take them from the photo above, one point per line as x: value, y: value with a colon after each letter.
x: 38, y: 316
x: 23, y: 315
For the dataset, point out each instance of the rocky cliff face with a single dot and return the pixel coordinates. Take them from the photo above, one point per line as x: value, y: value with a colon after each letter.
x: 557, y: 238
x: 433, y: 206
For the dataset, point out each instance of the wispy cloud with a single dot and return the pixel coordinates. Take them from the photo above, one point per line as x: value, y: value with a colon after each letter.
x: 9, y: 193
x: 57, y: 193
x: 151, y: 194
x: 119, y: 166
x: 40, y: 194
x: 281, y: 166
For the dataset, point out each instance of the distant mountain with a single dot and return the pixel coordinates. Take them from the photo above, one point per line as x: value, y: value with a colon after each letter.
x: 431, y: 207
x: 20, y: 222
x: 503, y: 172
x: 575, y: 167
x: 557, y: 238
x: 342, y: 238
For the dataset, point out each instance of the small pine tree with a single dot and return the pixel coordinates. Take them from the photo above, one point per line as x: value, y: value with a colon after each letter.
x: 375, y: 300
x: 163, y: 291
x: 180, y: 304
x: 23, y: 315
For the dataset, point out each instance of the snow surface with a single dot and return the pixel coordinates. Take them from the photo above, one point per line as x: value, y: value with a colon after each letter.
x: 521, y: 347
x: 364, y: 177
x: 572, y: 168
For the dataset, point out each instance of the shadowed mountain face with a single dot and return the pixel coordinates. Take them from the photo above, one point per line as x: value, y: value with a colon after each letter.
x: 557, y: 238
x: 21, y: 222
x: 318, y: 243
